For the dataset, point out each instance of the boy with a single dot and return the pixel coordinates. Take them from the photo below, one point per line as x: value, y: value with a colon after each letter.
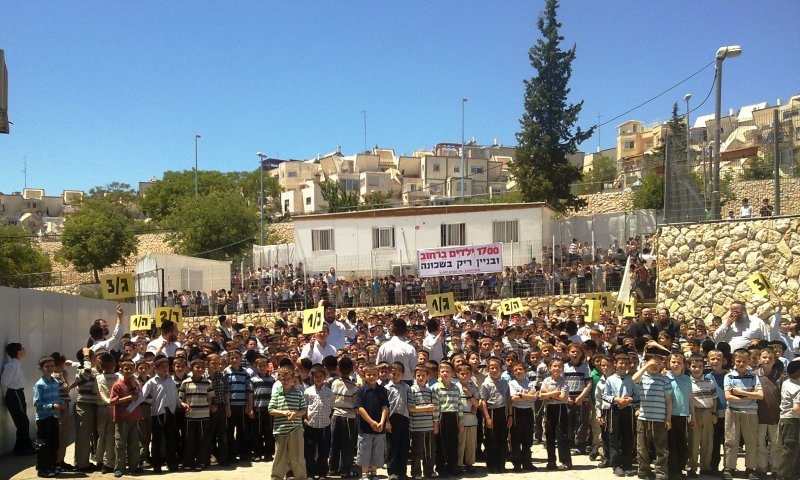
x: 655, y: 415
x: 104, y: 452
x: 769, y: 375
x: 13, y: 384
x: 450, y: 423
x: 788, y: 439
x: 682, y: 411
x: 704, y: 401
x: 85, y: 410
x: 554, y: 394
x: 422, y: 410
x: 126, y: 431
x: 579, y: 383
x: 372, y: 406
x: 604, y: 368
x: 179, y: 368
x: 47, y: 400
x: 288, y: 407
x: 196, y: 393
x: 742, y: 390
x: 716, y: 361
x: 344, y: 420
x: 398, y: 438
x: 239, y: 387
x: 620, y: 394
x: 468, y: 439
x: 146, y: 423
x: 258, y: 409
x: 317, y: 434
x: 523, y: 395
x: 494, y: 406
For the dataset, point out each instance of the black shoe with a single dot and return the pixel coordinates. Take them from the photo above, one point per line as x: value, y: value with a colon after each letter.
x: 469, y: 469
x: 529, y: 467
x: 106, y: 470
x: 603, y: 464
x: 690, y: 473
x: 551, y: 466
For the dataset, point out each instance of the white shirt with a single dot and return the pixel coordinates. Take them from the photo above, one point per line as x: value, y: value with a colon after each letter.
x: 433, y: 344
x: 318, y: 353
x: 164, y: 393
x: 168, y: 350
x: 12, y: 377
x: 747, y: 211
x: 337, y: 331
x: 741, y: 332
x: 397, y: 350
x: 111, y: 342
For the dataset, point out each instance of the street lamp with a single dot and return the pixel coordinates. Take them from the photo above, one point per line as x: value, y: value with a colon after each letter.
x: 722, y: 53
x: 463, y: 102
x: 196, y: 138
x: 261, y: 156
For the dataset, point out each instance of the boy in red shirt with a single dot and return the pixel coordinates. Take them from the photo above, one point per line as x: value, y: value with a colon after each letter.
x: 126, y: 431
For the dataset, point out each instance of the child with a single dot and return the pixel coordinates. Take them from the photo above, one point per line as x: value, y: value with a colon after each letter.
x: 60, y: 375
x: 85, y: 410
x: 769, y: 375
x: 701, y: 435
x: 422, y: 410
x: 179, y: 368
x: 579, y: 383
x: 788, y: 440
x: 372, y: 406
x: 604, y: 368
x: 258, y: 409
x: 239, y: 387
x: 344, y: 420
x: 494, y: 405
x: 47, y: 400
x: 468, y: 439
x: 146, y: 423
x: 196, y: 393
x: 105, y: 451
x: 655, y: 415
x: 523, y: 395
x: 620, y: 394
x: 742, y: 389
x: 555, y: 394
x: 682, y: 411
x: 218, y: 420
x: 288, y: 407
x: 398, y: 438
x: 126, y: 431
x: 317, y: 432
x: 13, y: 383
x: 450, y: 423
x: 716, y: 361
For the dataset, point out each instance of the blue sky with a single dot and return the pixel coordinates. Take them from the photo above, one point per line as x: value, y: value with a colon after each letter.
x: 118, y: 92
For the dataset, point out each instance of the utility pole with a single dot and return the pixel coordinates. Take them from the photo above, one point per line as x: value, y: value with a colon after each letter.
x: 776, y: 134
x: 364, y: 114
x: 196, y: 138
x: 463, y: 102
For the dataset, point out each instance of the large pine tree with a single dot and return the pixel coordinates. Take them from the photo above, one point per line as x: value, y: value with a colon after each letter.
x: 541, y: 168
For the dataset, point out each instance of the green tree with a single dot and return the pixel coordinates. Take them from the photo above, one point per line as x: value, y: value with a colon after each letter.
x: 758, y: 168
x: 541, y: 168
x: 337, y: 198
x: 165, y: 194
x: 604, y: 169
x: 19, y: 258
x: 97, y: 236
x: 375, y: 200
x: 250, y: 185
x: 651, y: 193
x: 677, y: 137
x: 219, y: 225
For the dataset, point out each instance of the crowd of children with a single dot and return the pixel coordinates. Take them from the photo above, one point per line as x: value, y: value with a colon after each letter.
x: 483, y: 389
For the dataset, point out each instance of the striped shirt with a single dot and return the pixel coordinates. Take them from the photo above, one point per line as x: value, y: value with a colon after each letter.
x: 344, y: 392
x: 704, y: 393
x: 320, y: 405
x: 104, y: 383
x: 419, y: 396
x: 398, y: 398
x: 653, y: 391
x: 747, y: 381
x: 449, y: 398
x: 262, y: 391
x: 283, y: 400
x: 46, y: 393
x: 516, y: 387
x: 238, y: 385
x: 87, y: 386
x: 495, y: 392
x: 198, y: 395
x: 551, y: 385
x: 576, y: 376
x: 468, y: 392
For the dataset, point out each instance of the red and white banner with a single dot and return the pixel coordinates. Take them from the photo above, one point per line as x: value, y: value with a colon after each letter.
x: 462, y: 260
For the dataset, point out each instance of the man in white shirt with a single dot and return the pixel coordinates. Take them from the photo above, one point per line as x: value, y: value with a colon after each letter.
x: 318, y: 348
x: 340, y: 330
x: 747, y: 209
x: 96, y: 332
x: 330, y: 278
x: 740, y: 328
x: 433, y: 343
x: 398, y: 350
x: 165, y: 344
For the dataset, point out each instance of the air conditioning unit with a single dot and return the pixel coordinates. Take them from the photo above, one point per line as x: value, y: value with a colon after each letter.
x: 399, y: 270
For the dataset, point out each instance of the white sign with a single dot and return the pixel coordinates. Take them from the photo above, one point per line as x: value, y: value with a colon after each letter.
x: 460, y: 260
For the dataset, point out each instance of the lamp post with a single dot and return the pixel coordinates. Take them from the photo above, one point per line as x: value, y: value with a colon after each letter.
x: 687, y: 97
x: 261, y: 156
x: 722, y: 53
x: 196, y: 138
x: 463, y: 102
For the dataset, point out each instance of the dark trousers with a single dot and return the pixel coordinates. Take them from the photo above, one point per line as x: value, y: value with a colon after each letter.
x: 677, y: 445
x: 195, y: 448
x: 578, y: 429
x: 719, y: 440
x: 620, y: 432
x: 15, y: 402
x: 447, y: 443
x: 218, y: 434
x: 479, y: 438
x: 238, y: 434
x: 496, y: 439
x: 317, y: 448
x: 557, y: 432
x: 46, y: 444
x: 399, y: 441
x: 422, y: 454
x: 163, y: 443
x: 787, y: 444
x: 180, y: 431
x: 343, y: 448
x: 262, y: 437
x: 538, y: 420
x: 522, y: 436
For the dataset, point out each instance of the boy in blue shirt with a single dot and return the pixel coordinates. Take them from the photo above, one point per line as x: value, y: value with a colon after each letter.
x: 47, y: 400
x: 682, y: 410
x: 742, y: 389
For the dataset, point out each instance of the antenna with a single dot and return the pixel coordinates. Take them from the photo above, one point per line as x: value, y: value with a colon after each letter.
x: 364, y: 114
x: 599, y: 148
x: 25, y: 171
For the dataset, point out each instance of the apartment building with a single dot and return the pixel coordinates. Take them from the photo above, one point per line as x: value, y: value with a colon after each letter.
x: 38, y: 213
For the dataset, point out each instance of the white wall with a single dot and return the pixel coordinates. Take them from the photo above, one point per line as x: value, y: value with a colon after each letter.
x: 44, y: 323
x: 607, y: 227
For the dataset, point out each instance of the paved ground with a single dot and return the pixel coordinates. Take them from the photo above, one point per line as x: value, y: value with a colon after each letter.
x: 22, y: 468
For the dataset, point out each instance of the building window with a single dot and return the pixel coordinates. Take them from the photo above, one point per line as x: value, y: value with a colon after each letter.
x: 476, y: 170
x: 413, y: 187
x: 383, y: 237
x: 321, y: 240
x: 454, y: 234
x: 349, y: 184
x: 456, y: 169
x: 286, y: 206
x: 292, y: 174
x: 373, y: 181
x: 496, y: 191
x: 436, y: 167
x: 629, y: 145
x: 797, y: 133
x: 506, y: 231
x: 308, y: 200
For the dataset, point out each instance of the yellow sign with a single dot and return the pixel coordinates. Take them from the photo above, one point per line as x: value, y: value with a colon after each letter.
x: 591, y: 311
x: 141, y: 322
x: 441, y: 304
x: 626, y: 309
x: 459, y: 307
x: 172, y: 314
x: 313, y: 318
x: 118, y: 286
x: 511, y: 305
x: 760, y: 285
